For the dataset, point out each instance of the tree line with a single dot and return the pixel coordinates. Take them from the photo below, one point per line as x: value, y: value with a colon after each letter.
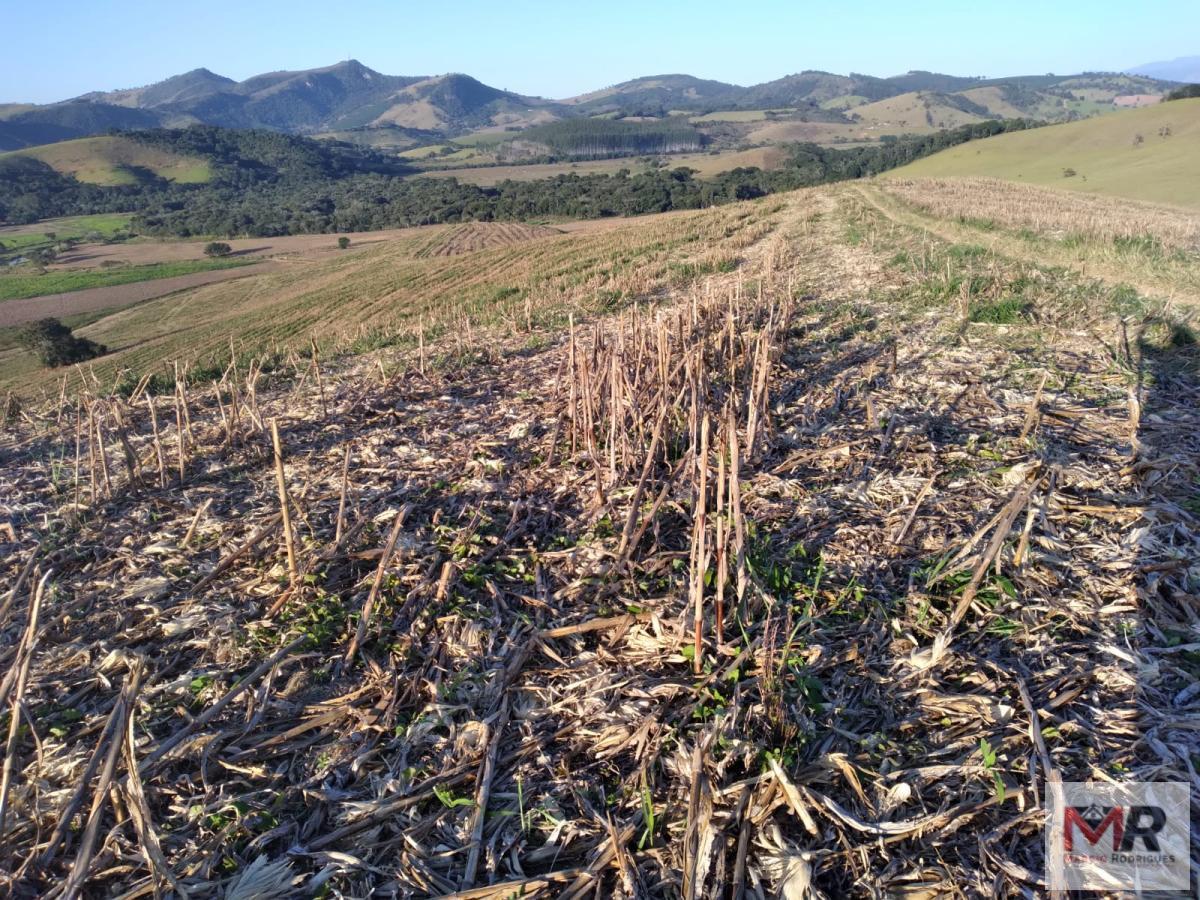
x: 604, y: 138
x: 266, y: 184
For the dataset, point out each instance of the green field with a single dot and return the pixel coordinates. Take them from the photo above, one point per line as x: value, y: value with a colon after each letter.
x: 21, y: 286
x: 112, y: 160
x: 849, y: 101
x: 1144, y: 154
x: 27, y: 239
x: 483, y: 138
x: 440, y: 155
x: 103, y: 225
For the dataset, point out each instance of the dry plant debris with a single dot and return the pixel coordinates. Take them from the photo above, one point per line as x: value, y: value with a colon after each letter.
x: 798, y: 581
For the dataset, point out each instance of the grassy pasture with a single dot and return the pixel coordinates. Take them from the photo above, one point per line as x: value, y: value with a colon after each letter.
x: 110, y: 160
x: 21, y: 239
x: 734, y: 115
x: 914, y: 113
x: 1098, y: 156
x: 788, y: 130
x: 485, y: 138
x: 104, y: 225
x: 849, y: 101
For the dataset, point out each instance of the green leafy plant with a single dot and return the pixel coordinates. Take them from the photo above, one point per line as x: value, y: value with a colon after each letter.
x: 988, y: 753
x: 448, y: 800
x: 647, y: 839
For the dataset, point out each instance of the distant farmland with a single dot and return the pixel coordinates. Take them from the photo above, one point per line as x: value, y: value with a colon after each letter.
x: 707, y: 164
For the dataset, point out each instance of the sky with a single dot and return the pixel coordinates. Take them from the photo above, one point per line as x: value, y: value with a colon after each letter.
x: 559, y: 49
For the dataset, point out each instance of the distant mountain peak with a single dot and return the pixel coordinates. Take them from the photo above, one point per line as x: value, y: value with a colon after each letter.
x: 348, y: 97
x: 1182, y: 69
x: 203, y: 73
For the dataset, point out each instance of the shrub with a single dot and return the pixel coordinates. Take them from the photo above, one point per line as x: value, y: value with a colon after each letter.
x: 217, y: 248
x: 343, y: 242
x: 1187, y: 92
x: 56, y: 346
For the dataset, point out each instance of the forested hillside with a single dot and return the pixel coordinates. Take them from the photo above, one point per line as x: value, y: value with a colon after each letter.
x: 354, y: 101
x: 268, y: 184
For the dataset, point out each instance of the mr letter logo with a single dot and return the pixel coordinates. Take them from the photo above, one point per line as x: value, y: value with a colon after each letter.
x: 1118, y: 836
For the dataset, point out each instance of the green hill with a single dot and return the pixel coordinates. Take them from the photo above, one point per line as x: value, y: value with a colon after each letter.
x: 114, y: 160
x: 1146, y: 154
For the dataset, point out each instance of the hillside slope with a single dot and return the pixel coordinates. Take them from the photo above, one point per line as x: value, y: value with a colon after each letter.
x: 801, y: 577
x: 366, y: 106
x: 64, y: 121
x: 113, y: 160
x: 921, y: 112
x: 1145, y: 154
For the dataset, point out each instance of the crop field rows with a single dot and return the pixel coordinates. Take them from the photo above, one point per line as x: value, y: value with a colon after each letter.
x: 804, y: 572
x: 387, y: 293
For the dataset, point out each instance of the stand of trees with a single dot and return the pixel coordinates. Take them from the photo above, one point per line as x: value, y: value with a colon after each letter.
x: 1187, y: 92
x: 267, y: 184
x: 56, y: 346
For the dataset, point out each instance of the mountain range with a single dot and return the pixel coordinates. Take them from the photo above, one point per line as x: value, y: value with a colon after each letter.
x: 351, y: 100
x: 1184, y: 69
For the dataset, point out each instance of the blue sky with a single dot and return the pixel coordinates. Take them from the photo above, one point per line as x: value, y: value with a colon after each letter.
x: 559, y: 49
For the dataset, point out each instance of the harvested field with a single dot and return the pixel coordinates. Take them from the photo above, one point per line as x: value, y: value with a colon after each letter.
x: 1140, y: 248
x: 1053, y: 213
x: 796, y: 580
x: 384, y: 295
x: 472, y: 236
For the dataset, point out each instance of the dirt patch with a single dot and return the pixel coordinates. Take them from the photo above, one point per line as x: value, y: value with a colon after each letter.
x: 483, y: 236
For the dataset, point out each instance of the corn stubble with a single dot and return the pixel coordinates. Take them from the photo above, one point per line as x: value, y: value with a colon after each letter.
x: 758, y: 586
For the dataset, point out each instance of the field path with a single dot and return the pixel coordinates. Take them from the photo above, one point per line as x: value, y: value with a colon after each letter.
x: 72, y: 303
x: 1015, y: 248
